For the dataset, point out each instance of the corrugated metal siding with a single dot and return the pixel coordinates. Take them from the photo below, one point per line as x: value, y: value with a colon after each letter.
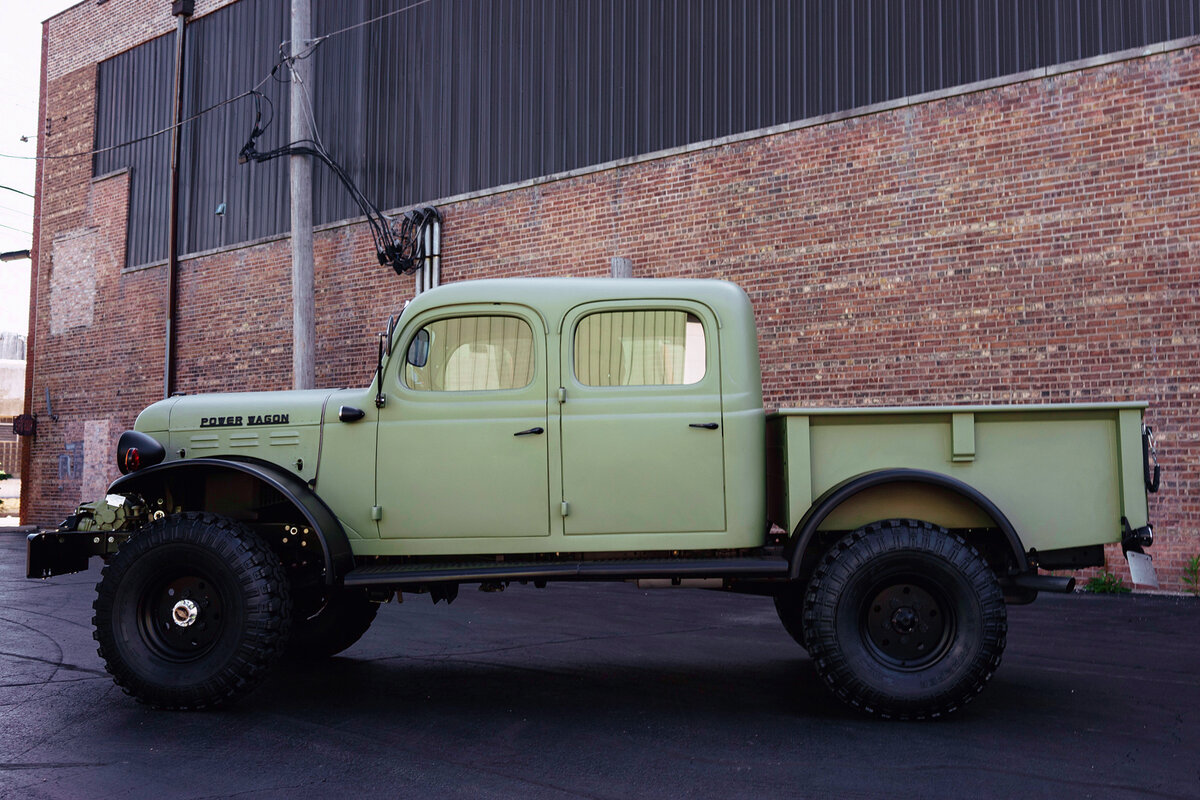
x: 129, y: 105
x: 459, y: 95
x: 229, y: 52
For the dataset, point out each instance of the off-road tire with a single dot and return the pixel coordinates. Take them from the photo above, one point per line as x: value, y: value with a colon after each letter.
x: 904, y: 620
x: 240, y: 609
x: 339, y: 618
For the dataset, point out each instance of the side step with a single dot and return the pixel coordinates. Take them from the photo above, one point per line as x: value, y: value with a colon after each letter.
x: 618, y: 569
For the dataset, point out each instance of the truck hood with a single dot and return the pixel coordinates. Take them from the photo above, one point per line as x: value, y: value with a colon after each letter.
x: 234, y: 410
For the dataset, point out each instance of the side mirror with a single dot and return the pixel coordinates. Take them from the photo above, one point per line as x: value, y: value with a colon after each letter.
x: 418, y: 351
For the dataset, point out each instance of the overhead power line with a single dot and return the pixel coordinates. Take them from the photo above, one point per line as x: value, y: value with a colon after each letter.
x: 316, y: 41
x: 312, y: 45
x: 159, y: 132
x: 18, y: 191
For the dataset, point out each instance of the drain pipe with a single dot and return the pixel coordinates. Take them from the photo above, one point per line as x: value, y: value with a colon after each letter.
x: 181, y: 9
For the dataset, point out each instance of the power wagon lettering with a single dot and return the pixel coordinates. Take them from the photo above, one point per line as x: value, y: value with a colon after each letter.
x: 236, y: 422
x: 220, y: 422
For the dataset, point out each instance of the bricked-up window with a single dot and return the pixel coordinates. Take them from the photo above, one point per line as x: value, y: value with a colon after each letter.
x: 639, y: 348
x: 471, y: 354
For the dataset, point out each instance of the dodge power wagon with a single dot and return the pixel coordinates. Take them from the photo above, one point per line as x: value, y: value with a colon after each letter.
x: 538, y: 430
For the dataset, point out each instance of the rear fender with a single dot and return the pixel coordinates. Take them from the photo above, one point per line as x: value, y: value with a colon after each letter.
x: 837, y: 495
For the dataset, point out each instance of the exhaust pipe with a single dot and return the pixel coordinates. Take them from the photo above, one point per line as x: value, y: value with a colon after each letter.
x: 1042, y: 583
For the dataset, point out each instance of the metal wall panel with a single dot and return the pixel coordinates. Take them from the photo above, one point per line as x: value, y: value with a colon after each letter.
x: 229, y: 52
x: 460, y: 95
x: 130, y: 104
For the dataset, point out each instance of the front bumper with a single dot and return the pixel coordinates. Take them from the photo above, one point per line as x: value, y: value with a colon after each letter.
x: 49, y: 553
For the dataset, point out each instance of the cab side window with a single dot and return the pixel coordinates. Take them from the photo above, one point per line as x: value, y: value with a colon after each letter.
x: 470, y: 354
x: 640, y: 348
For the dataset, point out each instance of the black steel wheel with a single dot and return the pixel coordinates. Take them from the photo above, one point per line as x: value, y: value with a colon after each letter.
x: 905, y: 620
x: 191, y: 612
x: 326, y: 623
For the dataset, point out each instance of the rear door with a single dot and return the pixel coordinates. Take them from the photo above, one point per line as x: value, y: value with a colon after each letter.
x: 642, y: 439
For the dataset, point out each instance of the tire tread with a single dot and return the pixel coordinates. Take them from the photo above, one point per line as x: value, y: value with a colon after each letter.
x: 265, y: 589
x: 854, y: 552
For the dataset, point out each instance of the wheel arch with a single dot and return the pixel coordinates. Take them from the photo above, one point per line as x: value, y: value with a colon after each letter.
x: 845, y: 492
x: 186, y: 478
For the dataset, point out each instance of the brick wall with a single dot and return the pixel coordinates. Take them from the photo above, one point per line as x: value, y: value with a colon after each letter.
x: 87, y: 33
x: 1035, y: 242
x: 1038, y: 242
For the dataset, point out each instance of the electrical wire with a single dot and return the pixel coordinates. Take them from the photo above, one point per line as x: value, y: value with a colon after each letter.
x: 18, y: 191
x: 159, y: 132
x: 307, y: 52
x: 316, y: 42
x: 18, y: 230
x: 307, y: 103
x: 403, y: 249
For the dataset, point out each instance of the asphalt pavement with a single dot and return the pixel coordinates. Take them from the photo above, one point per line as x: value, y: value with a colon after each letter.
x: 603, y: 691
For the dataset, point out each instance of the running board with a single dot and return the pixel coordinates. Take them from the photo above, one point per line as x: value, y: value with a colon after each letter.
x: 626, y: 569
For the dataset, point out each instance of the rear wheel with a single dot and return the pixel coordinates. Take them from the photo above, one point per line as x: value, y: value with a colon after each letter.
x: 332, y: 621
x: 191, y: 612
x: 905, y: 620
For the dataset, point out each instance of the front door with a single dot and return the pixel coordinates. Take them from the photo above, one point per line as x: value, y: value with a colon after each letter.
x: 642, y: 440
x: 463, y: 448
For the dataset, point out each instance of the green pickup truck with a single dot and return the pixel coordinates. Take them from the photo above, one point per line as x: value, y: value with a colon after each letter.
x: 537, y: 430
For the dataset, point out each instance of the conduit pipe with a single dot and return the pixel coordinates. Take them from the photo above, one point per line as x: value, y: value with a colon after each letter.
x: 437, y: 250
x: 182, y: 9
x: 429, y: 274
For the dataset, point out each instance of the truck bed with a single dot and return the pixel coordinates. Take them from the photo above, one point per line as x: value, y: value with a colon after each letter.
x: 1064, y: 475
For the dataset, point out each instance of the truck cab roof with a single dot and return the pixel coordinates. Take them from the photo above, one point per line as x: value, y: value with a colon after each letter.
x: 553, y: 297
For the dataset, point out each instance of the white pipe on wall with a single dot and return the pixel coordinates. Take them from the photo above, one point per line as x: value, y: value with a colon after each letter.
x: 427, y: 266
x: 437, y: 252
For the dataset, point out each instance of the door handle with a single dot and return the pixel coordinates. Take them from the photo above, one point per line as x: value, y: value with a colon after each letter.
x: 708, y: 426
x: 350, y: 414
x: 530, y: 432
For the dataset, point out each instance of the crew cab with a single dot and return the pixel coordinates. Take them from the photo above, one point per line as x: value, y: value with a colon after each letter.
x: 540, y: 430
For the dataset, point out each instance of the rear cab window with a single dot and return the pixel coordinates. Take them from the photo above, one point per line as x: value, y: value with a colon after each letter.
x: 641, y: 347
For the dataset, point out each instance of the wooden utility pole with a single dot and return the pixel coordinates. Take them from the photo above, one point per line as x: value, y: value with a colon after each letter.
x: 300, y: 169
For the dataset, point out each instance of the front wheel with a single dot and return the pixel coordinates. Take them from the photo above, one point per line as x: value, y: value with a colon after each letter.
x: 191, y: 612
x: 904, y: 619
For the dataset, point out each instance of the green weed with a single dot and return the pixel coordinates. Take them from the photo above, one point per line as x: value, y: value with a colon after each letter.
x: 1106, y: 583
x: 1191, y: 575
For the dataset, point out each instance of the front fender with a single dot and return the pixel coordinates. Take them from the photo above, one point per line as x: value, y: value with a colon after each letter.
x: 335, y: 545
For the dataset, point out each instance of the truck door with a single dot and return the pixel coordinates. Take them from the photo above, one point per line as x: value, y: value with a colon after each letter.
x: 642, y: 439
x: 463, y: 449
